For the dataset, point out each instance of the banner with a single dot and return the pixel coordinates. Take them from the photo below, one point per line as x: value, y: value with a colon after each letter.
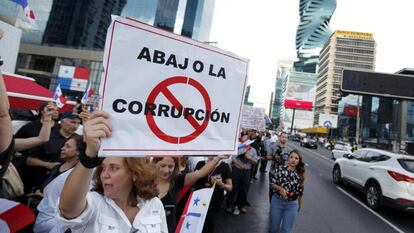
x: 253, y: 118
x: 328, y: 120
x: 169, y: 95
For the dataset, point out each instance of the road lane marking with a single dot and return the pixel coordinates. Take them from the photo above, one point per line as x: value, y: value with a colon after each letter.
x: 370, y: 210
x: 317, y: 154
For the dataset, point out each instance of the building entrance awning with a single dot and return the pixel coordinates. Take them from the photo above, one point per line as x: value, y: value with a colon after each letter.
x: 24, y: 93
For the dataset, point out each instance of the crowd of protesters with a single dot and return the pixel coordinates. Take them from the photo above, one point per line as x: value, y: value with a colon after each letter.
x: 70, y: 189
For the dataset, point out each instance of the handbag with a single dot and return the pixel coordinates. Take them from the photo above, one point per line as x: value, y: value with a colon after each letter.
x: 12, y: 184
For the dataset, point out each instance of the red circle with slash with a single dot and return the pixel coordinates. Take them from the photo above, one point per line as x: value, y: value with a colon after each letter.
x: 162, y: 87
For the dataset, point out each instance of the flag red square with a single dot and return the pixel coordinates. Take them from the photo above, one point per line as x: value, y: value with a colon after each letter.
x: 82, y: 73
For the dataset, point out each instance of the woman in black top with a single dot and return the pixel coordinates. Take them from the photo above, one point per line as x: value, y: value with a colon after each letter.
x: 286, y: 184
x: 170, y: 182
x: 221, y: 175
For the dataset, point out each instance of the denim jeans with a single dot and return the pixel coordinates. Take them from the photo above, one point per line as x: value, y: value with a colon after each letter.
x: 282, y: 214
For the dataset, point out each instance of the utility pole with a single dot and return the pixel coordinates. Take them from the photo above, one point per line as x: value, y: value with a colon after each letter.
x: 293, y: 119
x: 357, y: 122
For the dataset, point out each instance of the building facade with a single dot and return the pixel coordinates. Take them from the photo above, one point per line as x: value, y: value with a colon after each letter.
x: 300, y: 87
x: 80, y: 24
x: 188, y: 18
x: 312, y: 33
x: 343, y: 50
x: 278, y: 110
x: 74, y: 32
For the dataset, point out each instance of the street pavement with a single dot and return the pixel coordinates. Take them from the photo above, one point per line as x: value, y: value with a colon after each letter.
x: 326, y: 207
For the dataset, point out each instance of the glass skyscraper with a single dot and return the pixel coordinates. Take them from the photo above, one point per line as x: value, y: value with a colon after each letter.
x: 191, y: 18
x: 313, y: 31
x: 81, y: 24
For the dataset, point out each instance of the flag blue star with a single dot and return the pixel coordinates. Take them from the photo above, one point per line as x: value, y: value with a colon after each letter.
x: 196, y: 201
x: 188, y: 225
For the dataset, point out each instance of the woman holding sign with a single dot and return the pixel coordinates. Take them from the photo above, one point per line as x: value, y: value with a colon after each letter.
x: 220, y: 176
x: 169, y: 183
x: 124, y: 198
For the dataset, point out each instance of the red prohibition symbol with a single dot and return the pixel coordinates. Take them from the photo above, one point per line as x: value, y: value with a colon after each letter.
x: 162, y: 87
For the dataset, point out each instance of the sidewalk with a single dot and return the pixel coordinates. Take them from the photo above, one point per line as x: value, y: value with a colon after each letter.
x: 257, y: 217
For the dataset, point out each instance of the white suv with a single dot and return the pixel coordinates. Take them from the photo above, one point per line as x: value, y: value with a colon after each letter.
x: 385, y: 178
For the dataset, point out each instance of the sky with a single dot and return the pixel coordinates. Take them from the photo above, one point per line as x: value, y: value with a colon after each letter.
x: 264, y: 31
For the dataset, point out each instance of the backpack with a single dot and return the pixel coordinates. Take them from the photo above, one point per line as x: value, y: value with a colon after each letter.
x: 12, y: 184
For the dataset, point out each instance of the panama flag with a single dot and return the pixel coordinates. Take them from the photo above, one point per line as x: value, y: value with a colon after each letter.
x: 195, y: 211
x: 27, y: 12
x: 88, y: 93
x: 58, y: 97
x: 14, y: 216
x: 73, y: 78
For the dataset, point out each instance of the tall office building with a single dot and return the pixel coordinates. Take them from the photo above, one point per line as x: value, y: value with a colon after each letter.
x: 81, y: 24
x: 343, y: 50
x: 283, y: 70
x: 312, y: 33
x: 188, y: 18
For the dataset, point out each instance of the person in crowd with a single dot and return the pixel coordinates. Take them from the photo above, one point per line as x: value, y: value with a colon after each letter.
x: 280, y: 151
x: 29, y: 141
x: 34, y: 134
x: 279, y: 154
x: 44, y: 158
x: 124, y: 197
x: 52, y: 187
x: 286, y: 184
x: 186, y: 190
x: 257, y: 141
x: 266, y: 152
x: 242, y: 164
x: 220, y: 176
x: 69, y: 154
x: 169, y: 183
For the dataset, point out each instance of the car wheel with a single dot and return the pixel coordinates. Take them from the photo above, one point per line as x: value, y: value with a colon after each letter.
x: 336, y: 175
x: 373, y: 195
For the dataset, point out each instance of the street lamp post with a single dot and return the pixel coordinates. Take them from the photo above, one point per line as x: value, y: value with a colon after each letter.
x: 358, y: 120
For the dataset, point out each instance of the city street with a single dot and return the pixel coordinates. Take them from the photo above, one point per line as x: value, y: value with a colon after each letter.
x: 326, y: 207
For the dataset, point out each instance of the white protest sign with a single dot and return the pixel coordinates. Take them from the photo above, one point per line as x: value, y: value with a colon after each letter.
x: 169, y: 95
x: 253, y: 118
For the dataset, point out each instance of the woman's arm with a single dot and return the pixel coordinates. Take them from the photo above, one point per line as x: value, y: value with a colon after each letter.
x: 73, y: 196
x: 208, y: 167
x: 44, y: 134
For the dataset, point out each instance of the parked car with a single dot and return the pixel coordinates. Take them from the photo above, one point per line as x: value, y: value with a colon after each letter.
x: 340, y: 150
x: 309, y: 143
x: 385, y: 178
x: 295, y: 137
x: 345, y: 146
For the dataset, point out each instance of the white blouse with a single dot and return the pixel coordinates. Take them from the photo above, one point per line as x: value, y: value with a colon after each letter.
x: 103, y: 215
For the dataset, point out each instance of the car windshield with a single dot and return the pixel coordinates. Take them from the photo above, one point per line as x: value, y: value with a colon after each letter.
x: 407, y: 164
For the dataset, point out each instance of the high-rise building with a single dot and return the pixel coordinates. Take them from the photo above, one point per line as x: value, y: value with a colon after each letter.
x: 300, y: 94
x: 13, y: 14
x: 283, y: 70
x: 81, y: 24
x: 188, y: 18
x: 312, y: 32
x: 343, y: 50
